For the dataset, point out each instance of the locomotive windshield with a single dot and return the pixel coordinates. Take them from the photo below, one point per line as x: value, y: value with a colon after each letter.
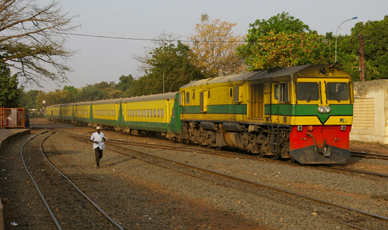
x: 307, y: 91
x: 337, y: 91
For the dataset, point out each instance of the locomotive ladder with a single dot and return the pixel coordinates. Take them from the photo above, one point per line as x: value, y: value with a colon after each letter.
x: 274, y: 144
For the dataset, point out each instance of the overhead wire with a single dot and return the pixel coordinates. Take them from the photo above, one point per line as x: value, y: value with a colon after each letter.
x: 139, y: 39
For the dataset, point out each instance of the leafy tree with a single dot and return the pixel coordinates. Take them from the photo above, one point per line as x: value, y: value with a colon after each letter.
x: 261, y: 29
x: 288, y: 49
x: 375, y: 48
x: 28, y: 99
x: 215, y: 46
x: 71, y: 89
x: 125, y: 82
x: 173, y: 65
x: 92, y: 93
x: 32, y: 39
x: 9, y: 91
x: 102, y: 85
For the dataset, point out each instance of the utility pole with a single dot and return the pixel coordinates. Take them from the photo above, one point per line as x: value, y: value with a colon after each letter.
x: 362, y: 58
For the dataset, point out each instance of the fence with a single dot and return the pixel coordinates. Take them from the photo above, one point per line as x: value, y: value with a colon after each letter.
x: 12, y: 117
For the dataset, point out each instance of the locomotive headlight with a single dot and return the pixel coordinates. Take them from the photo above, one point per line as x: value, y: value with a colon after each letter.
x: 343, y: 127
x: 300, y: 128
x: 324, y: 109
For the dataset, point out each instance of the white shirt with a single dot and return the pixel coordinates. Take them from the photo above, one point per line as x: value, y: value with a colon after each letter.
x: 98, y: 137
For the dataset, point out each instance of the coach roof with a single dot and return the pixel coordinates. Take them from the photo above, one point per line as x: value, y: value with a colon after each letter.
x: 154, y: 97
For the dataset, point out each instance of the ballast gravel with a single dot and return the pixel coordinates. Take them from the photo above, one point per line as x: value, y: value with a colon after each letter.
x: 145, y: 196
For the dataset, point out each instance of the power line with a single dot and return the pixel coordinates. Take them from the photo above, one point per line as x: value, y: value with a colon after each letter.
x: 136, y: 39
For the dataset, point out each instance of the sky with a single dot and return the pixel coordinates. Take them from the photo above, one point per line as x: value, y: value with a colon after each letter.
x: 101, y: 59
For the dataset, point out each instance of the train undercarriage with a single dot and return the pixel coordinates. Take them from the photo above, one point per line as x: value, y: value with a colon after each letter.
x: 265, y: 140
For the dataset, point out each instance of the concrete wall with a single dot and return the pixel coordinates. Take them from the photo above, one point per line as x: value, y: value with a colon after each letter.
x: 370, y: 111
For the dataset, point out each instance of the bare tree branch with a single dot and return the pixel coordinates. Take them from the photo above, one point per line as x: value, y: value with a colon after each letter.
x: 32, y: 39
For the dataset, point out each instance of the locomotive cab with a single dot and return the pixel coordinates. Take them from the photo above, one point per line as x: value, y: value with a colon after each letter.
x: 323, y: 109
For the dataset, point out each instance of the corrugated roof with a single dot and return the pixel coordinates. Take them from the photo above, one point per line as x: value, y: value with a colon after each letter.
x: 222, y: 79
x: 162, y: 96
x: 270, y: 73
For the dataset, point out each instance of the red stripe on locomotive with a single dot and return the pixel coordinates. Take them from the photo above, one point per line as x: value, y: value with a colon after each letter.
x: 333, y: 135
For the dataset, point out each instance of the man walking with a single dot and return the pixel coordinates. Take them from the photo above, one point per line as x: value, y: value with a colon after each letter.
x: 98, y: 139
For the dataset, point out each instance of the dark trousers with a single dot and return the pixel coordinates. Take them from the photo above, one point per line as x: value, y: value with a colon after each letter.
x: 98, y: 153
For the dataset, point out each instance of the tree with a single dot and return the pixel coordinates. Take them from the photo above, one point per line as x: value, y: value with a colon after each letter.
x: 215, y: 46
x: 28, y: 99
x: 375, y: 47
x: 92, y: 93
x: 9, y: 91
x: 283, y: 41
x: 33, y: 39
x: 173, y: 65
x: 125, y: 82
x: 288, y: 49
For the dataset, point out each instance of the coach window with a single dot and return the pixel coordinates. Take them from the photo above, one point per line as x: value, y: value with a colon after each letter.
x: 148, y: 113
x: 154, y: 112
x: 158, y: 112
x: 187, y: 97
x: 208, y: 94
x: 193, y: 96
x: 230, y: 92
x: 162, y: 112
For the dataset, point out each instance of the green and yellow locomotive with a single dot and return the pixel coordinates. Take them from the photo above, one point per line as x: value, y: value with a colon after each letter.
x: 301, y: 113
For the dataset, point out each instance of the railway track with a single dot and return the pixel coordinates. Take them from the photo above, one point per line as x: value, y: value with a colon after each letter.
x: 369, y: 155
x: 229, y: 154
x: 345, y: 215
x: 59, y: 194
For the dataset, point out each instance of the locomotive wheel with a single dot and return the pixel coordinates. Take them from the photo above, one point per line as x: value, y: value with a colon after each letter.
x: 275, y: 157
x: 291, y: 160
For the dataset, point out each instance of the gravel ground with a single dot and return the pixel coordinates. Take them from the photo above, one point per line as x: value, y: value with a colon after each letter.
x: 145, y: 196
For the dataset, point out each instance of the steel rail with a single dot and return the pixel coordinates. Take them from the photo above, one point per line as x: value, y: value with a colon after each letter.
x: 209, y: 152
x: 36, y: 185
x: 246, y: 181
x: 356, y: 171
x: 369, y: 155
x: 79, y: 190
x: 259, y: 184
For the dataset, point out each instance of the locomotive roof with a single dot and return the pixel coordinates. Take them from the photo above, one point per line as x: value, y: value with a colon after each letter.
x: 269, y: 73
x: 278, y: 72
x: 162, y: 96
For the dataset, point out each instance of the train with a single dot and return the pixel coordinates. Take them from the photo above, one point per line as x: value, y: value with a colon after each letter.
x: 299, y: 113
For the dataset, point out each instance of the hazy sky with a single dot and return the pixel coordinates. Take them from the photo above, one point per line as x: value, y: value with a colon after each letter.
x: 100, y: 59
